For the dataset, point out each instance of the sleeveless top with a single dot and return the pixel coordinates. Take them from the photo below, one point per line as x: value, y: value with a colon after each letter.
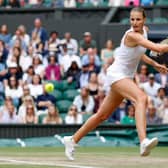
x: 126, y: 60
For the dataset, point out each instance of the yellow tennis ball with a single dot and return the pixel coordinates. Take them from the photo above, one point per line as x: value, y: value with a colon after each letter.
x: 49, y: 87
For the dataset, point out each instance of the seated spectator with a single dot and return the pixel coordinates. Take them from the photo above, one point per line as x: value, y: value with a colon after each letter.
x: 92, y: 59
x: 52, y: 116
x: 163, y: 111
x: 53, y: 70
x: 44, y: 100
x: 93, y: 85
x: 142, y: 76
x: 14, y: 90
x: 35, y: 39
x: 41, y: 49
x: 30, y: 117
x: 13, y: 4
x: 36, y: 87
x: 73, y: 117
x: 3, y: 3
x: 72, y: 43
x: 13, y: 70
x: 38, y: 66
x: 28, y: 75
x: 151, y: 87
x: 69, y: 3
x: 57, y: 3
x: 83, y: 76
x: 130, y: 118
x: 26, y: 101
x: 4, y: 35
x: 9, y: 116
x: 107, y: 52
x: 99, y: 99
x: 102, y: 76
x: 73, y: 72
x: 39, y: 30
x: 86, y: 43
x: 152, y: 117
x: 119, y: 113
x: 147, y: 2
x: 132, y: 2
x: 161, y: 95
x: 26, y: 91
x: 162, y: 79
x: 26, y: 59
x: 84, y: 102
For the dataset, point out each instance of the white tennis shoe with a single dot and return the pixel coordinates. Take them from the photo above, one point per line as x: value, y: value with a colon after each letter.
x: 69, y: 147
x: 147, y: 145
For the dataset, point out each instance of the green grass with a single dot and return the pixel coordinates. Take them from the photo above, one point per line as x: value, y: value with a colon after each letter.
x: 96, y: 157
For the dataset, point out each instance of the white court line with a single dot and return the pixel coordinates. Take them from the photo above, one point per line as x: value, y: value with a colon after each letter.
x: 43, y: 164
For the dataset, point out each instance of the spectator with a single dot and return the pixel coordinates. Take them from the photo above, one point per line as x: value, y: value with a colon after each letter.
x: 152, y: 117
x: 107, y: 52
x: 26, y: 101
x: 3, y: 3
x: 28, y: 75
x: 161, y: 95
x: 39, y: 30
x: 38, y: 66
x: 147, y: 2
x: 163, y: 111
x: 73, y: 72
x: 9, y: 116
x: 93, y: 60
x: 86, y: 43
x: 26, y: 60
x: 57, y: 3
x: 71, y: 43
x: 73, y: 117
x: 44, y: 100
x: 84, y: 76
x: 40, y: 49
x: 142, y: 76
x: 35, y: 39
x: 53, y: 70
x: 119, y: 113
x: 36, y: 87
x: 84, y: 102
x: 132, y: 2
x: 99, y: 99
x: 130, y: 118
x: 13, y: 4
x: 4, y: 35
x: 93, y: 85
x: 14, y: 90
x: 25, y: 37
x: 69, y: 3
x: 151, y: 87
x: 26, y: 91
x: 52, y: 116
x: 30, y: 117
x: 13, y: 70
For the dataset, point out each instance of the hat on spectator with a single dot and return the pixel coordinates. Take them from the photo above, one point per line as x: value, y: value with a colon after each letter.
x: 87, y: 34
x: 38, y: 56
x: 12, y: 65
x: 151, y: 75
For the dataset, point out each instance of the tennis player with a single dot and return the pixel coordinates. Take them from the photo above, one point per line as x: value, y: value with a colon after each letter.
x: 120, y: 78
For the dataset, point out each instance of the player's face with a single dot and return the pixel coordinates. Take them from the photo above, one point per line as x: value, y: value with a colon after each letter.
x: 137, y: 21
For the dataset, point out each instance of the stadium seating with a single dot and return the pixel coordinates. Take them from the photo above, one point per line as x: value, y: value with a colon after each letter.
x: 57, y: 94
x: 70, y: 94
x: 162, y: 2
x: 63, y: 105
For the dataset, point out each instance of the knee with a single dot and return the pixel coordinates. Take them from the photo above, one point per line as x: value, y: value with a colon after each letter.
x: 142, y: 98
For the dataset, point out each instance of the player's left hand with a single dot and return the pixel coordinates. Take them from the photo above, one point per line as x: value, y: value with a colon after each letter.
x: 161, y: 68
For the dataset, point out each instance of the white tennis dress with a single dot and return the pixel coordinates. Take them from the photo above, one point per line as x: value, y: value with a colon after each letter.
x: 126, y: 61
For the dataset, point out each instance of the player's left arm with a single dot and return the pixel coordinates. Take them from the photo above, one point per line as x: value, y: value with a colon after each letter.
x: 157, y: 66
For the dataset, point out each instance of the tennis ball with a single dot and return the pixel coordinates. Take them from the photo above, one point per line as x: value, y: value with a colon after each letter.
x: 49, y: 87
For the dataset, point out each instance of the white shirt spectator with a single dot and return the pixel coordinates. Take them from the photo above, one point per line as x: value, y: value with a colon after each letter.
x: 71, y: 120
x: 25, y: 62
x: 69, y: 3
x: 14, y: 93
x: 35, y: 90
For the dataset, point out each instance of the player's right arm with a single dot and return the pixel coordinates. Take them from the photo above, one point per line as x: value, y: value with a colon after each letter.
x: 138, y: 39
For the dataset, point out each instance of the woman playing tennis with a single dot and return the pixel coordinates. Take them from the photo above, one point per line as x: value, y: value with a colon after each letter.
x: 120, y: 78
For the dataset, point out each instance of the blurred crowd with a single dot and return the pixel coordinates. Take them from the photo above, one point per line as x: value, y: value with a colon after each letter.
x: 72, y: 3
x: 29, y: 60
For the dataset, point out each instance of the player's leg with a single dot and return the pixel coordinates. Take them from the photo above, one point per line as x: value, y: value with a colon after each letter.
x: 128, y: 89
x: 110, y: 103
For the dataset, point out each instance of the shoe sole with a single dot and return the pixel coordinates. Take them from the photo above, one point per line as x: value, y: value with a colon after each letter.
x: 150, y: 147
